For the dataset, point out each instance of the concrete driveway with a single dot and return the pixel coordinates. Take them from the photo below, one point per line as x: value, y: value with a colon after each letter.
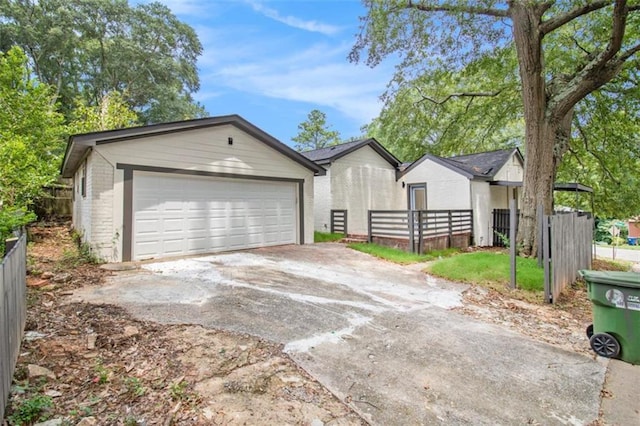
x: 382, y: 337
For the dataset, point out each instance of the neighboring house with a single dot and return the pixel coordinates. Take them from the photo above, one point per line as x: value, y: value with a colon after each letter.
x: 197, y: 186
x: 480, y: 182
x: 361, y: 176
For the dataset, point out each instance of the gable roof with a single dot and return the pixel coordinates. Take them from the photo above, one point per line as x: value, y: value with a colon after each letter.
x: 78, y: 145
x: 481, y: 166
x: 330, y: 154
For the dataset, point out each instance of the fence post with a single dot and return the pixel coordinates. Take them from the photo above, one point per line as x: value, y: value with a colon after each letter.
x: 540, y: 213
x: 332, y: 225
x: 9, y: 244
x: 420, y: 232
x: 450, y: 229
x: 546, y: 244
x: 370, y: 235
x: 512, y: 240
x: 411, y: 231
x: 344, y: 223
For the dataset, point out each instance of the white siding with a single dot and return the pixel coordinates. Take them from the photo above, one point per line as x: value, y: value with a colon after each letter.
x: 203, y: 150
x: 322, y: 201
x: 362, y: 181
x: 482, y: 219
x: 446, y: 189
x: 511, y: 171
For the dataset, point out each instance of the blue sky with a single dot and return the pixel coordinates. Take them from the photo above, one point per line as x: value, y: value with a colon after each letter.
x: 273, y: 62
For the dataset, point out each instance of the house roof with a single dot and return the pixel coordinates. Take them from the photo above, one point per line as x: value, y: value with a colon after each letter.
x: 482, y: 166
x: 78, y: 145
x: 332, y: 153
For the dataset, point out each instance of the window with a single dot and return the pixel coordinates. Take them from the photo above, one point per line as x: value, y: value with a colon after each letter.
x: 83, y: 179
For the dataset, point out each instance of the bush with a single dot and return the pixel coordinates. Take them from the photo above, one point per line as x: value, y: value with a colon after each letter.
x: 12, y: 219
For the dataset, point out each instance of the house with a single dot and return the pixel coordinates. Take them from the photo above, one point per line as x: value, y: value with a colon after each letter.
x: 360, y: 176
x: 189, y: 187
x: 480, y: 182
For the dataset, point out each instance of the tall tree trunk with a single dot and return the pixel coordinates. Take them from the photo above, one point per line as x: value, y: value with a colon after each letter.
x: 539, y: 135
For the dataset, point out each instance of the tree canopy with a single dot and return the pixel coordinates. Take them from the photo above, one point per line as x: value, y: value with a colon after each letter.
x: 314, y: 133
x: 565, y: 50
x: 89, y: 48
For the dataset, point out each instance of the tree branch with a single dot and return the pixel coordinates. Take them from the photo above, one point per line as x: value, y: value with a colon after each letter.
x: 598, y: 71
x: 558, y: 21
x: 456, y: 95
x: 453, y: 8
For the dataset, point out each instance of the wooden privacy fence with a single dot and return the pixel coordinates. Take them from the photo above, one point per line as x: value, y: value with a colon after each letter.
x: 566, y: 242
x: 421, y: 230
x: 339, y: 221
x: 13, y: 309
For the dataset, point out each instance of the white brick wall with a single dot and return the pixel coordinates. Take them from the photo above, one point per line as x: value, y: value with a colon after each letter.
x: 362, y: 181
x: 322, y: 201
x: 102, y: 233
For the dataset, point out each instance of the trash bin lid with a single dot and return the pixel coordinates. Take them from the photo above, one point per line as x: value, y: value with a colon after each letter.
x: 617, y: 278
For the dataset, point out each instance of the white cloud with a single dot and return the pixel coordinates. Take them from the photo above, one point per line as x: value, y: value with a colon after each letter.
x: 311, y: 76
x: 292, y: 21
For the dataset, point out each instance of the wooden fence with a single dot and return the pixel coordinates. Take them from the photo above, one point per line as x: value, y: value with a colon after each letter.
x: 566, y: 242
x: 421, y: 230
x: 13, y: 309
x: 339, y: 221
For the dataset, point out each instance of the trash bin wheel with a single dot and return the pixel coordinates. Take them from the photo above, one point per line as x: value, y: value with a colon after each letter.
x: 605, y: 345
x: 590, y: 331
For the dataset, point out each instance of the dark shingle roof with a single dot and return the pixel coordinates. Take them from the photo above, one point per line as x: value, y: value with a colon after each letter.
x: 332, y: 153
x: 483, y: 165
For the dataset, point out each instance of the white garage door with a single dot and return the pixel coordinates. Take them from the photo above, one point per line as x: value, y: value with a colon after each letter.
x: 177, y: 215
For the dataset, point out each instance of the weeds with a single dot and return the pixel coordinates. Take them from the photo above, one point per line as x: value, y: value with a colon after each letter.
x: 31, y: 410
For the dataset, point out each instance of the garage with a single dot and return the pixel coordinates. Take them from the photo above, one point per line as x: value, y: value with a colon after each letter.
x: 190, y: 187
x: 181, y: 215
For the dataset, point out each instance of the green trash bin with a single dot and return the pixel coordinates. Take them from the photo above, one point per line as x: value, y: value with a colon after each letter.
x: 615, y: 332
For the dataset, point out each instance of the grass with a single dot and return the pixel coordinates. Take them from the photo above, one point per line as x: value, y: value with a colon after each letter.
x: 621, y: 246
x: 400, y: 256
x: 488, y: 269
x: 326, y: 237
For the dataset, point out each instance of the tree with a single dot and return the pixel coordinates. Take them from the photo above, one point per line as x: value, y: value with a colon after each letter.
x: 89, y: 48
x: 601, y: 38
x: 314, y: 133
x: 31, y: 140
x: 112, y: 112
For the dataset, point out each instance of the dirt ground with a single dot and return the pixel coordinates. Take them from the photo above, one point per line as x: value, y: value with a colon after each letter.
x: 97, y: 365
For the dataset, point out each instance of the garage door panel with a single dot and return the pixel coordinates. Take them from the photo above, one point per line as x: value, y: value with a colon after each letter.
x: 176, y: 215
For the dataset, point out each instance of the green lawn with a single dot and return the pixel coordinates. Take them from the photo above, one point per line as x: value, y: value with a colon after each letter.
x: 326, y: 237
x: 622, y: 246
x: 400, y: 256
x: 489, y: 268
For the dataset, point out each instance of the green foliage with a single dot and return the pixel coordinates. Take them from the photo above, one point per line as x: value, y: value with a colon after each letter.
x: 400, y: 256
x: 11, y: 219
x: 31, y: 143
x: 30, y: 410
x: 112, y: 112
x: 326, y: 237
x: 87, y: 48
x: 450, y: 49
x: 314, y: 133
x: 490, y: 269
x: 134, y: 386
